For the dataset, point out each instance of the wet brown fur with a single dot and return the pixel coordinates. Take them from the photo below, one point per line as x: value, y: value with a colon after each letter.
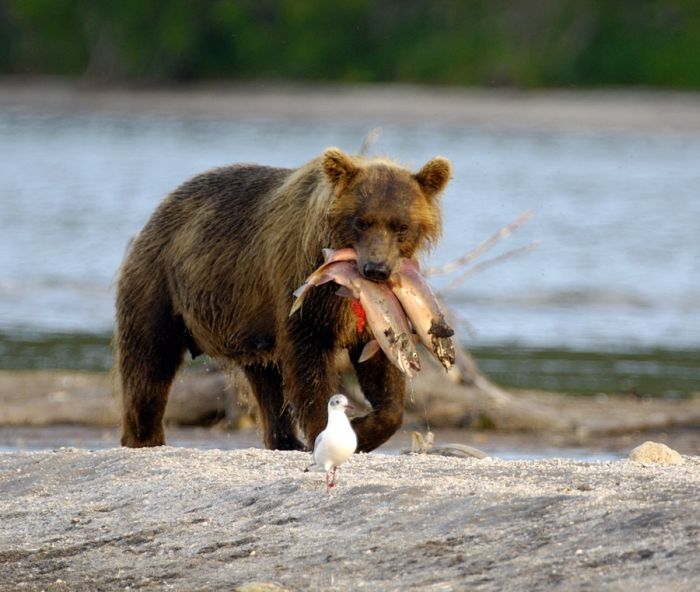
x: 214, y: 269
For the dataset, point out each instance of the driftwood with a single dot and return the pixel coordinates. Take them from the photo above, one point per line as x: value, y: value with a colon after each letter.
x: 200, y: 397
x: 51, y: 397
x: 469, y: 257
x: 464, y: 397
x: 486, y: 403
x: 436, y: 402
x: 475, y: 401
x: 421, y: 444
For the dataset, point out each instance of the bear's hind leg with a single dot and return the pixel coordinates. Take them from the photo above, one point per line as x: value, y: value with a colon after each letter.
x: 384, y: 386
x: 275, y: 416
x: 149, y: 352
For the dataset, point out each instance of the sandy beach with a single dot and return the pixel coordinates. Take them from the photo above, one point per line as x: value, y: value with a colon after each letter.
x: 196, y: 517
x: 185, y: 519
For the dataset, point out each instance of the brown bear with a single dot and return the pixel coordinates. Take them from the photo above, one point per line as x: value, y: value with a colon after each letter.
x: 214, y: 269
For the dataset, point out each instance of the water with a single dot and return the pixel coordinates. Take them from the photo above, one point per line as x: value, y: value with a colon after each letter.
x: 617, y: 215
x: 14, y: 439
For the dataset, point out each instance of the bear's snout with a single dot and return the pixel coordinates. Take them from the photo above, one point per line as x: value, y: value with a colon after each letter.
x: 378, y: 272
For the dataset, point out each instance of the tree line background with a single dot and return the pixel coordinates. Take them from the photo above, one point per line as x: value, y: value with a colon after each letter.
x: 519, y: 43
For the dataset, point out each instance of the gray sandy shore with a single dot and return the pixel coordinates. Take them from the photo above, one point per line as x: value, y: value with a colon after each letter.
x: 185, y: 519
x: 371, y: 104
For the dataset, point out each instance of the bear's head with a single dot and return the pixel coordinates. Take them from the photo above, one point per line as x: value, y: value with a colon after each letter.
x: 383, y: 210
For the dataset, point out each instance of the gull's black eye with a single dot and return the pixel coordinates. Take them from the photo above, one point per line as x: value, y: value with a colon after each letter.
x: 361, y: 224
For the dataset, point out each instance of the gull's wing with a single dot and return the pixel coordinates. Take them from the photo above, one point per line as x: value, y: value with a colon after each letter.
x: 318, y: 441
x: 315, y: 466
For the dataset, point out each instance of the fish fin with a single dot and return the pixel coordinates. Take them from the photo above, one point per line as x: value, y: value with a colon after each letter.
x: 345, y: 292
x: 301, y: 289
x: 369, y: 350
x: 296, y: 306
x: 327, y: 254
x: 299, y: 294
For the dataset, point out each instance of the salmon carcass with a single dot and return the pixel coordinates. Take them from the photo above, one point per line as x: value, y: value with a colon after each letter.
x: 423, y: 309
x: 385, y: 317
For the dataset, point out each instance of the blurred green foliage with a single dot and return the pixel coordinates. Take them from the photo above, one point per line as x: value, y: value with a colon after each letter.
x: 519, y: 43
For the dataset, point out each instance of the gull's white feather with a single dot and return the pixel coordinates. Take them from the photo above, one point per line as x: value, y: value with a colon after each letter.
x: 337, y: 443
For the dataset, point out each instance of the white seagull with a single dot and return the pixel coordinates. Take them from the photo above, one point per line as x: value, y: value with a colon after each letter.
x: 335, y: 444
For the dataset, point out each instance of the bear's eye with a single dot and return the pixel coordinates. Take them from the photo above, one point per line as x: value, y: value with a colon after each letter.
x: 361, y: 224
x: 398, y: 227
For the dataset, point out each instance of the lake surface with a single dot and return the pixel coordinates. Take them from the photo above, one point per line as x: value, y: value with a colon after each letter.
x: 15, y: 439
x: 617, y: 215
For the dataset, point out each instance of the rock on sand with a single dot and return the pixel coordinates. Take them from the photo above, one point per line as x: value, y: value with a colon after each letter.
x: 655, y: 452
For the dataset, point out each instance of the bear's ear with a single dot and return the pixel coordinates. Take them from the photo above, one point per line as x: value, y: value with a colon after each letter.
x: 338, y: 166
x: 434, y: 175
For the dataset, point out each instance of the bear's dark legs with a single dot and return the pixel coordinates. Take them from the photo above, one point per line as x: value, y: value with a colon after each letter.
x: 308, y: 384
x: 308, y: 363
x: 142, y: 420
x: 150, y: 351
x: 384, y: 386
x: 277, y: 422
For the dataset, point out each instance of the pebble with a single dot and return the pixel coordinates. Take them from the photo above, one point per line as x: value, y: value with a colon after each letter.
x: 655, y: 452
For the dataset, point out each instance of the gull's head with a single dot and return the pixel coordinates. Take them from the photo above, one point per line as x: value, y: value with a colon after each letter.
x: 338, y: 403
